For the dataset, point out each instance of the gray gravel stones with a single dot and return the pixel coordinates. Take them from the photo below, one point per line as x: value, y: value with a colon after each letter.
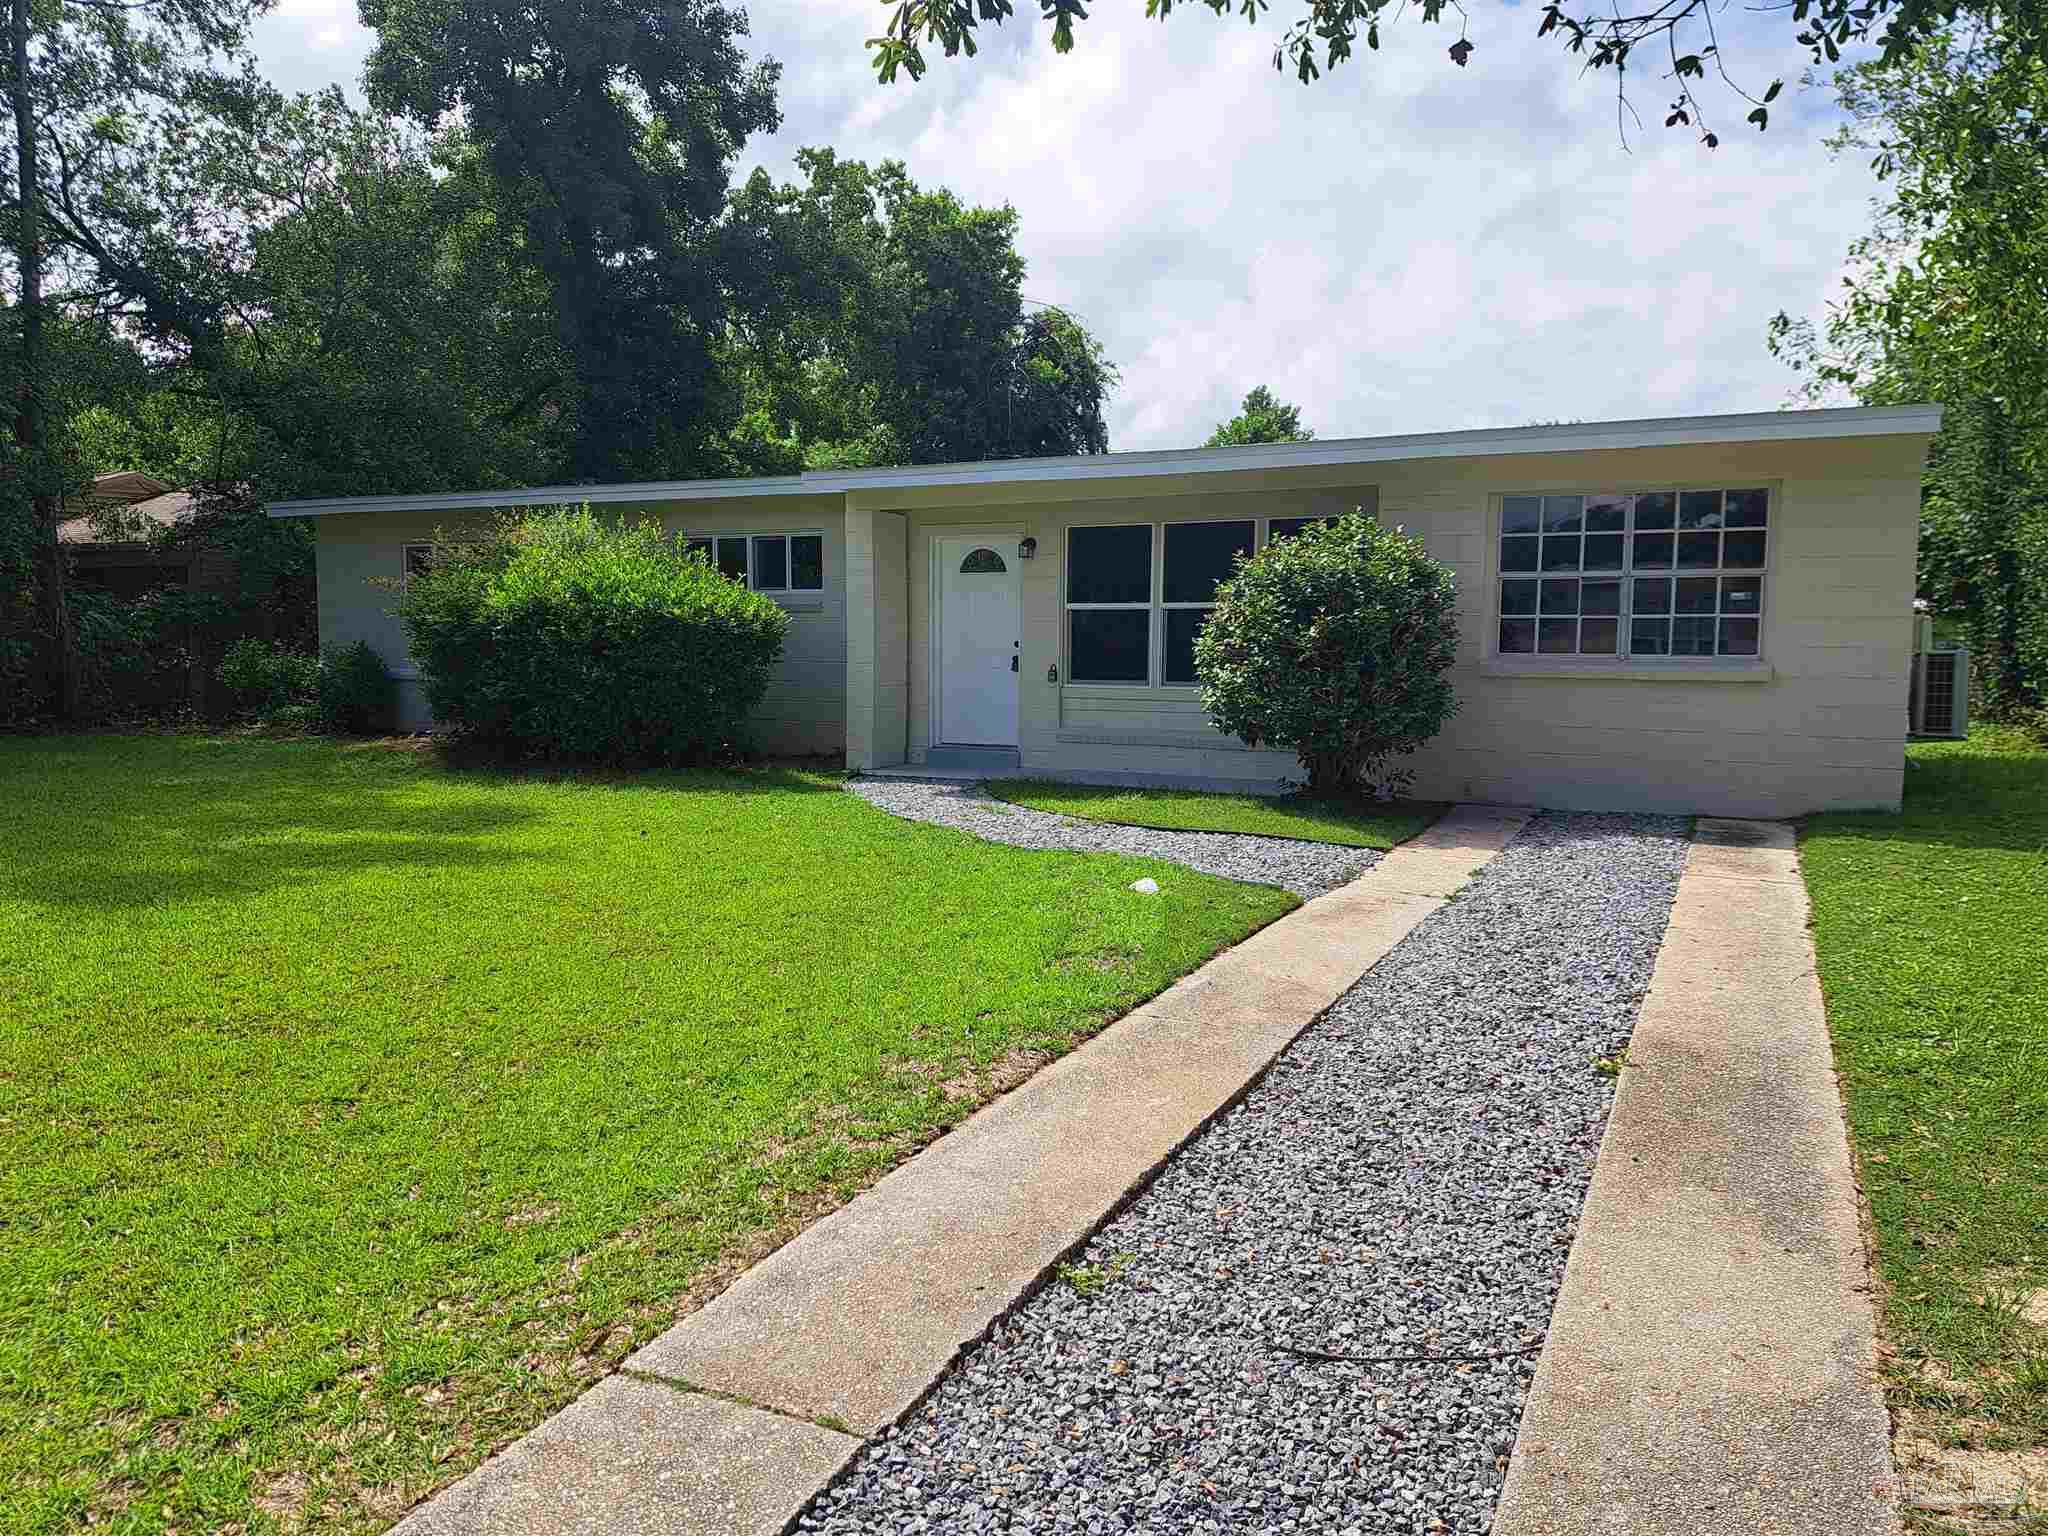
x: 1307, y: 869
x: 1405, y: 1180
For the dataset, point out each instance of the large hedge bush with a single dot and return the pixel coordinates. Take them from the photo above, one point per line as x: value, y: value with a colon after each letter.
x: 1334, y: 643
x: 563, y: 636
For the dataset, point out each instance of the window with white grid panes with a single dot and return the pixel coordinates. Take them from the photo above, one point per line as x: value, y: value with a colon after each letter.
x: 1666, y: 573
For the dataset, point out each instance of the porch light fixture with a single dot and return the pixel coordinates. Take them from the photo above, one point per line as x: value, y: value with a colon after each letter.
x: 1027, y: 548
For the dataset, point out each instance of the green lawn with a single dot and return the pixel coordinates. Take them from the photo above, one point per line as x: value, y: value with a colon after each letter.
x: 356, y: 1113
x: 1189, y: 810
x: 1932, y: 930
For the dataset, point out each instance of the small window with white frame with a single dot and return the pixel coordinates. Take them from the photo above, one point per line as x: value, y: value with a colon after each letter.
x: 780, y: 564
x: 1662, y: 573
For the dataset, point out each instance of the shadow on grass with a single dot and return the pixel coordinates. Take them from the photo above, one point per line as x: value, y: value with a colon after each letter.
x: 134, y: 822
x: 462, y: 760
x: 113, y: 822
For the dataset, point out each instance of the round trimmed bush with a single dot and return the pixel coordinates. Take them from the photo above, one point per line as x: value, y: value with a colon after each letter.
x: 560, y: 636
x: 1334, y: 643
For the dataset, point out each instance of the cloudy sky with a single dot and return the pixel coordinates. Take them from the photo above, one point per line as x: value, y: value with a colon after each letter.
x: 1404, y: 246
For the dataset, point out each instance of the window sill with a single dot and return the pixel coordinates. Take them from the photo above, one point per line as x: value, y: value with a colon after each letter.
x: 797, y: 604
x: 1202, y: 741
x: 1138, y: 690
x: 1645, y: 669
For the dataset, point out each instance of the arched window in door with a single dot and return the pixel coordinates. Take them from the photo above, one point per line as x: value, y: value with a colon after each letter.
x: 982, y: 562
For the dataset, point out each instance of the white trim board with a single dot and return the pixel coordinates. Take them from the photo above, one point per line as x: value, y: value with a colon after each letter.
x: 1574, y: 437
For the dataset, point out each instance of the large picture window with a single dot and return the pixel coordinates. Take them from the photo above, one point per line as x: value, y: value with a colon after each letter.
x: 1640, y: 573
x: 1137, y: 594
x: 767, y: 562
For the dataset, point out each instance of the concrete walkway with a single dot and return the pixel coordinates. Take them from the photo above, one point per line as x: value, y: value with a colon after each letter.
x: 729, y: 1423
x: 1711, y: 1365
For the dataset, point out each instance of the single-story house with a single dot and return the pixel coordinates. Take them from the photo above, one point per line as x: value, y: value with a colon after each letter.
x: 1709, y: 614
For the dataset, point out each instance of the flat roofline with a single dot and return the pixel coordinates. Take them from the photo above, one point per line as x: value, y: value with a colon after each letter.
x: 1656, y: 432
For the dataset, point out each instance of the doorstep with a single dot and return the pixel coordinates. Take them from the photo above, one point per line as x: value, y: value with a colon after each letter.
x: 955, y: 765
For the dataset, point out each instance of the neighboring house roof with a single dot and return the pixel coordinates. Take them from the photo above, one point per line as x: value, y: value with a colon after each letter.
x: 126, y: 485
x: 1755, y: 427
x: 167, y: 508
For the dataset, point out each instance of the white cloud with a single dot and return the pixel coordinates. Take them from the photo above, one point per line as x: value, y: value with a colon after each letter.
x: 308, y: 44
x: 1403, y: 246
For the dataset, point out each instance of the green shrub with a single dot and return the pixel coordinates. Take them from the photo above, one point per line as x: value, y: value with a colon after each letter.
x: 560, y: 636
x: 1334, y: 643
x: 356, y: 691
x: 264, y: 679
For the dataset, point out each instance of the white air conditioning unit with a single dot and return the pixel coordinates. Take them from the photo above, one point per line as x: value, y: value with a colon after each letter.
x: 1940, y: 704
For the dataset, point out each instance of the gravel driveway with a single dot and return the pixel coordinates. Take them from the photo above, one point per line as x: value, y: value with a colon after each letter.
x: 1307, y: 869
x: 1404, y: 1181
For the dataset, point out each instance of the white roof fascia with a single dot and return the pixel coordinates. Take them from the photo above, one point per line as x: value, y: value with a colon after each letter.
x: 1572, y: 437
x: 552, y: 495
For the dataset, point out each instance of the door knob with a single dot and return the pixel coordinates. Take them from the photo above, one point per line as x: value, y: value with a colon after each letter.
x: 1013, y: 663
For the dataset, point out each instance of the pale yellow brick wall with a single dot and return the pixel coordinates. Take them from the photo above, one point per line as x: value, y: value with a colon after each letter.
x: 360, y: 558
x: 1818, y: 721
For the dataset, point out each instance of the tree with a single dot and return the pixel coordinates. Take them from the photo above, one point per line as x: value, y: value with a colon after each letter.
x: 609, y: 130
x: 1264, y: 418
x: 1678, y: 32
x: 1948, y: 301
x: 1984, y: 550
x: 385, y: 333
x: 91, y: 87
x: 363, y: 321
x: 274, y: 296
x: 1335, y: 642
x: 880, y: 322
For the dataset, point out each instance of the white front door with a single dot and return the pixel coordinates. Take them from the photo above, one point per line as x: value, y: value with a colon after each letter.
x: 980, y: 593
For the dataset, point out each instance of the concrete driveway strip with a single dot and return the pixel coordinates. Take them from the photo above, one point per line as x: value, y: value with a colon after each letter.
x: 642, y: 1459
x: 1711, y: 1366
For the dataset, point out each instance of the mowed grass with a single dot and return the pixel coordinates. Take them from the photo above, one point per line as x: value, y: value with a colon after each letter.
x: 1932, y: 932
x: 1188, y: 810
x: 356, y: 1113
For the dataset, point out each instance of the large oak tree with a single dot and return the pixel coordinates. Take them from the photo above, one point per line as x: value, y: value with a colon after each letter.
x: 886, y: 323
x: 610, y: 130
